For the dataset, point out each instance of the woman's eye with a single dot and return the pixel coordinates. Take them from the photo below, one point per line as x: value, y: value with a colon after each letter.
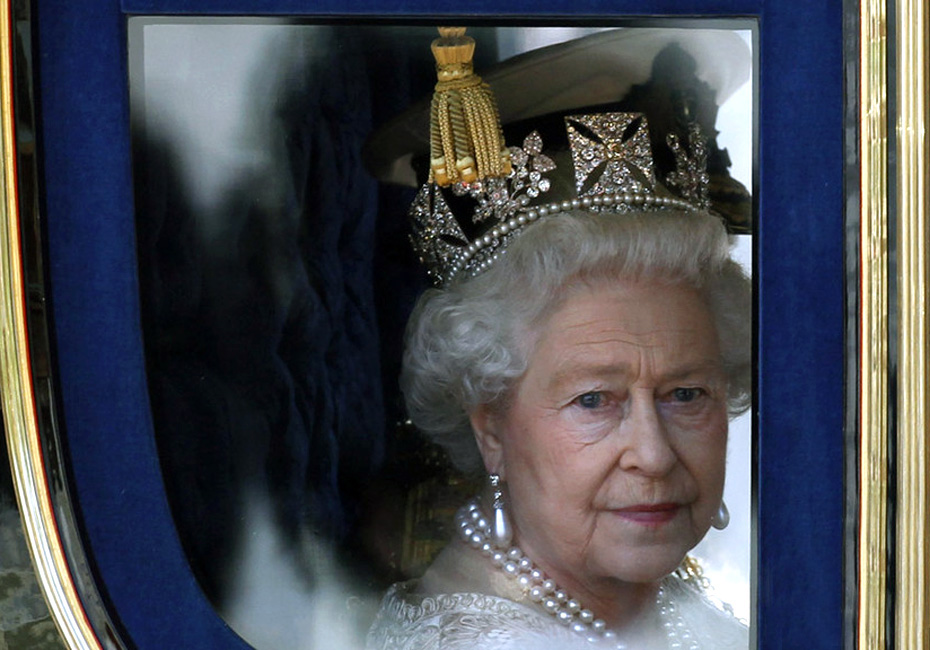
x: 590, y: 400
x: 686, y: 394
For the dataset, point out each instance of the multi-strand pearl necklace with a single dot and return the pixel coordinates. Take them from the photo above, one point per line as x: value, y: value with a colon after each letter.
x: 475, y: 529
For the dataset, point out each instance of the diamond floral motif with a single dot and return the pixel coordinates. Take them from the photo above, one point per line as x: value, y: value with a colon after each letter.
x: 690, y: 177
x: 500, y: 198
x: 533, y: 144
x: 543, y: 163
x: 438, y: 238
x: 518, y: 157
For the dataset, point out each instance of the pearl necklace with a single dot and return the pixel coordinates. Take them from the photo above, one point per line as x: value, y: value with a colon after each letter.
x: 475, y: 529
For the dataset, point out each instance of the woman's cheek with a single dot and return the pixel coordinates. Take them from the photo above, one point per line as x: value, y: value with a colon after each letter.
x: 704, y: 414
x: 588, y: 428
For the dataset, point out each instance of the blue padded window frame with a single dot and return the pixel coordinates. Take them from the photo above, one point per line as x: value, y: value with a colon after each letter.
x: 83, y: 99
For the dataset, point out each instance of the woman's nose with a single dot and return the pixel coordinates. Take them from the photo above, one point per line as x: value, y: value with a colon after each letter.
x: 646, y: 447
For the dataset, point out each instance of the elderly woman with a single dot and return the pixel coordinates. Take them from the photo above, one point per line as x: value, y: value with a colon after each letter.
x: 585, y: 354
x: 592, y: 370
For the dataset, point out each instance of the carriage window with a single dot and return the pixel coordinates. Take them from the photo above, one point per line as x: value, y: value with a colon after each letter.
x: 272, y: 190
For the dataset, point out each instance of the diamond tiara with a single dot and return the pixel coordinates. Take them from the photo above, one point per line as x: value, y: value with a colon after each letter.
x: 612, y: 170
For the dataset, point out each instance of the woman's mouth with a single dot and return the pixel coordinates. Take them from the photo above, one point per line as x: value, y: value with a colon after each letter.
x: 649, y: 514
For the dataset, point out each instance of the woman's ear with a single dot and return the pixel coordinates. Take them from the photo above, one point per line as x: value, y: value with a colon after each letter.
x: 486, y: 425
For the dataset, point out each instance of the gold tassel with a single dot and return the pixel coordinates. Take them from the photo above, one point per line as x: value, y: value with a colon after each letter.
x: 465, y: 127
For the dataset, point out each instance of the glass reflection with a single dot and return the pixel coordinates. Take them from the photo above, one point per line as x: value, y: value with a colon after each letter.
x: 276, y: 280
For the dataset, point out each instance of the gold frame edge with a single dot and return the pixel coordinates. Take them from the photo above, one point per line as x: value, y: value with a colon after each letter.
x: 873, y: 323
x: 18, y: 400
x: 912, y: 570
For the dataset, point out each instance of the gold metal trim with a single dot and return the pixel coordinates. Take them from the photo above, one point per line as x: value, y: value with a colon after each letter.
x: 912, y: 576
x: 873, y: 323
x: 18, y: 399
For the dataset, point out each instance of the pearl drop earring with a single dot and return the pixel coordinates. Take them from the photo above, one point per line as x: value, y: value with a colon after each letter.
x: 721, y: 518
x: 501, y: 530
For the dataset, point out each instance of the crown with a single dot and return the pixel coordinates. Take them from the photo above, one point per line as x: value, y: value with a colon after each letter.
x: 612, y: 170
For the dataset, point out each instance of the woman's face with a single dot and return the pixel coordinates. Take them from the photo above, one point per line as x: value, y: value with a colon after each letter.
x: 613, y: 445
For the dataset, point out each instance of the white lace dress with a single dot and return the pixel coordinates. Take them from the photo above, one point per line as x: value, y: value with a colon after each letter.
x: 464, y: 603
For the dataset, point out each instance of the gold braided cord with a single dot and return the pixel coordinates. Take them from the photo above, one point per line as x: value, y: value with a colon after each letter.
x: 461, y: 83
x: 474, y: 121
x: 466, y: 133
x: 466, y: 139
x: 448, y: 130
x: 460, y: 140
x: 483, y: 119
x: 435, y: 138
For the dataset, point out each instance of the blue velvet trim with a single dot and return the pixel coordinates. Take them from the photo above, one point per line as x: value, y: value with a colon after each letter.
x: 101, y: 373
x: 801, y: 334
x: 101, y: 369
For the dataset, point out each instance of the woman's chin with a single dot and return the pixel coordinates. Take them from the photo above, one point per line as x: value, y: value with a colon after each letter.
x: 648, y: 567
x: 647, y: 575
